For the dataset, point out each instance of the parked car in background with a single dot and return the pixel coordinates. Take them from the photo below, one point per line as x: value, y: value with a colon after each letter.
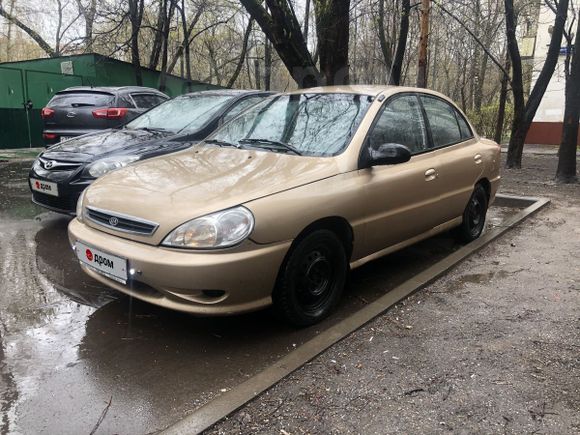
x: 62, y: 172
x: 278, y: 204
x: 83, y: 109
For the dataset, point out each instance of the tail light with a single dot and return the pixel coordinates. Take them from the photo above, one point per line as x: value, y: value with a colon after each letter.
x: 48, y: 136
x: 110, y: 113
x: 46, y: 112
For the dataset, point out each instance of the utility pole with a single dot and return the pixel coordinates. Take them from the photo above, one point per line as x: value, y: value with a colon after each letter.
x: 423, y: 44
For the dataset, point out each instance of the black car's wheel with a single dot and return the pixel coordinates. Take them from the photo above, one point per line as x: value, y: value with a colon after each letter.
x: 311, y: 279
x: 473, y: 215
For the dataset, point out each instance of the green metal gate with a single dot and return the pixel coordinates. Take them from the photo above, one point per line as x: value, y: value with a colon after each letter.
x: 19, y: 126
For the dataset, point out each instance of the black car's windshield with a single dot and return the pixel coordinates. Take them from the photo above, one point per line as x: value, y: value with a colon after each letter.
x: 306, y: 124
x: 185, y: 114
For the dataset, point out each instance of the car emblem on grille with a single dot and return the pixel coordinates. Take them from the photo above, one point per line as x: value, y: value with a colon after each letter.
x: 113, y: 221
x: 71, y: 114
x: 49, y: 164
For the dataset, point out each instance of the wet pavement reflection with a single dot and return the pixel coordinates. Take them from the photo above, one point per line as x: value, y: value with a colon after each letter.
x: 70, y: 346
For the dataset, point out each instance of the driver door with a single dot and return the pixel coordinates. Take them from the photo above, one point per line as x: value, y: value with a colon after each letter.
x: 401, y: 198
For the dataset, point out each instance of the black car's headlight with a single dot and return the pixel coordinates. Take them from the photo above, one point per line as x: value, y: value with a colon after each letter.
x: 101, y: 167
x: 37, y: 166
x: 217, y: 230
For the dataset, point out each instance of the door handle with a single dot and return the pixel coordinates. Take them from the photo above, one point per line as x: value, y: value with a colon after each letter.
x: 430, y: 174
x: 477, y: 159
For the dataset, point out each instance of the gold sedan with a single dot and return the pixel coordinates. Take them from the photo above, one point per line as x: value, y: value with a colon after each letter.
x: 279, y: 203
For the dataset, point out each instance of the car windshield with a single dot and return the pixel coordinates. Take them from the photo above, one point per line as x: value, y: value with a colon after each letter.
x: 306, y: 124
x: 185, y: 114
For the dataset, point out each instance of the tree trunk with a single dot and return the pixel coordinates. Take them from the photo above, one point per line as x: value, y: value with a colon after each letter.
x: 165, y: 46
x: 524, y: 113
x: 267, y: 65
x: 158, y: 39
x: 306, y: 22
x: 566, y: 172
x: 502, y: 103
x: 397, y: 67
x: 242, y: 57
x: 283, y: 30
x: 136, y: 16
x: 332, y: 29
x: 423, y: 44
x: 383, y: 43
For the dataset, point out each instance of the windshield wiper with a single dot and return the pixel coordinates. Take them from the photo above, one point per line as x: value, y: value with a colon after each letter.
x: 154, y: 129
x: 221, y: 143
x: 276, y: 144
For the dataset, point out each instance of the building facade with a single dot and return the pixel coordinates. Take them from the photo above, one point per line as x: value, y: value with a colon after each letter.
x: 547, y: 125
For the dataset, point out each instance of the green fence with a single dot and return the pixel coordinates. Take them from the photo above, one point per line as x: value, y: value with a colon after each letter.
x: 37, y: 81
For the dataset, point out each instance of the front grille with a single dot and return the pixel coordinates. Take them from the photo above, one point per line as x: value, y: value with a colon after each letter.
x: 121, y: 222
x: 55, y: 165
x: 62, y: 203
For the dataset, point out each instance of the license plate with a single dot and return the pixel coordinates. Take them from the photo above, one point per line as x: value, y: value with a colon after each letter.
x: 42, y: 186
x: 63, y: 138
x: 101, y: 262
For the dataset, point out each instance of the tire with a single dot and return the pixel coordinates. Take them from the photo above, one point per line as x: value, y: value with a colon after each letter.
x: 311, y: 279
x: 473, y: 216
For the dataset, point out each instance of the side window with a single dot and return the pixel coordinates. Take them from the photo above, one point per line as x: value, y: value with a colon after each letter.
x: 240, y: 106
x: 466, y: 132
x: 442, y: 120
x: 125, y: 101
x: 146, y: 101
x: 401, y: 121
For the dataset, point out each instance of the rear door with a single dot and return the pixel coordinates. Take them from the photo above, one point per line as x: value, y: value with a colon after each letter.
x: 460, y: 164
x: 73, y: 112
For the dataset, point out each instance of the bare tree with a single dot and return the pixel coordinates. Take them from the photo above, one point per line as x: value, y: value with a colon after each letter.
x: 524, y: 112
x: 566, y: 172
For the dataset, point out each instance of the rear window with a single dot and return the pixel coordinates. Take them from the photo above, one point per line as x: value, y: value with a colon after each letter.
x: 146, y: 101
x: 80, y: 99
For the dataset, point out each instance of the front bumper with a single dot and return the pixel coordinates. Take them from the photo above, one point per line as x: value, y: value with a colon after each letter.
x: 65, y: 202
x: 189, y: 280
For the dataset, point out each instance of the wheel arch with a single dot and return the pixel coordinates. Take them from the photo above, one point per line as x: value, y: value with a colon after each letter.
x: 338, y: 225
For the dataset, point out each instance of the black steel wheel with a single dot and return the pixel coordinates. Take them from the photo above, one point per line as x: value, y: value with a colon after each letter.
x: 474, y: 215
x: 311, y: 279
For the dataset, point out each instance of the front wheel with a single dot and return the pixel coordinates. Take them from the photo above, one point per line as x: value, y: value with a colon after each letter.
x: 311, y: 279
x: 473, y: 216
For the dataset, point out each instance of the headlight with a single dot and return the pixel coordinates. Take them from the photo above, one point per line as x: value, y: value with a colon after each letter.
x: 101, y: 167
x: 79, y: 210
x: 217, y: 230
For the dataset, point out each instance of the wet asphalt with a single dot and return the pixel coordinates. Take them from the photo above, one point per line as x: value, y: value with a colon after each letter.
x: 72, y: 350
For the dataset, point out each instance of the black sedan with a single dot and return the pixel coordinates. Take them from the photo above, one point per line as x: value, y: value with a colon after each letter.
x: 62, y: 172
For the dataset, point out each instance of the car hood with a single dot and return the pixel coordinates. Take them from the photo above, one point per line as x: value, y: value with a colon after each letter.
x: 178, y: 187
x: 92, y: 146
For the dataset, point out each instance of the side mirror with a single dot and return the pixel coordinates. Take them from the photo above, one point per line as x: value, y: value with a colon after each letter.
x: 387, y: 154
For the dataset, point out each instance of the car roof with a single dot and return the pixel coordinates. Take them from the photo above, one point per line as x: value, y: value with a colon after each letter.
x: 110, y: 89
x: 372, y: 90
x: 230, y: 92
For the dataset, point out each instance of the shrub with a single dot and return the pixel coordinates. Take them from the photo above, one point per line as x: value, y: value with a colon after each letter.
x: 485, y: 119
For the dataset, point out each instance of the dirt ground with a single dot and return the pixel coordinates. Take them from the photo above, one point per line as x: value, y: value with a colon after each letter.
x: 492, y: 347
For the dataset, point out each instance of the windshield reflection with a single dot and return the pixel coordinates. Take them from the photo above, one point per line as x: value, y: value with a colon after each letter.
x: 306, y: 124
